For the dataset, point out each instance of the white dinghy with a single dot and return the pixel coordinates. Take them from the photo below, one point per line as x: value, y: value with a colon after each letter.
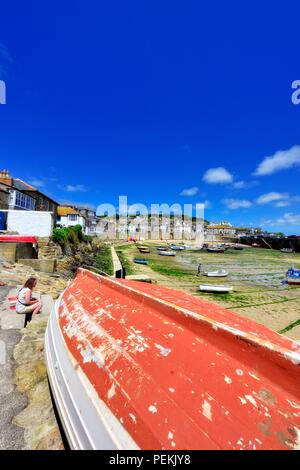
x: 215, y: 288
x: 219, y: 273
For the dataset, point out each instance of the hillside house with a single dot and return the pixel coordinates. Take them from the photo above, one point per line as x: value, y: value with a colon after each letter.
x: 91, y: 220
x: 68, y: 216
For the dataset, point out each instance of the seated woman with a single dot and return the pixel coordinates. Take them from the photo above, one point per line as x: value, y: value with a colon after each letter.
x: 26, y: 304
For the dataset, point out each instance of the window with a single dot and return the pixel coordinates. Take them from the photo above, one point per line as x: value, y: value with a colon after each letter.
x: 24, y: 201
x: 73, y: 217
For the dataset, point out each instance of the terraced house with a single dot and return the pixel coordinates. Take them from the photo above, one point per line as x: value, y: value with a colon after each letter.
x: 19, y: 204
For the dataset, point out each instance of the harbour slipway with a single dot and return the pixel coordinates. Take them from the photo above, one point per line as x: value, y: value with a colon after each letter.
x: 138, y: 366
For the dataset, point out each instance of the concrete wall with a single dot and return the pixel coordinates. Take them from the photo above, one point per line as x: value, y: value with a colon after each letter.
x: 118, y: 269
x: 8, y: 251
x: 275, y: 243
x: 34, y: 223
x: 14, y: 251
x: 25, y: 250
x: 45, y: 265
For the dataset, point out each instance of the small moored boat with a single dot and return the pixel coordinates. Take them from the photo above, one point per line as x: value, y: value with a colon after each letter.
x: 287, y: 250
x: 144, y: 250
x: 293, y: 276
x: 215, y: 249
x: 167, y: 253
x: 161, y: 248
x: 219, y: 273
x: 215, y: 288
x: 141, y: 261
x: 177, y: 247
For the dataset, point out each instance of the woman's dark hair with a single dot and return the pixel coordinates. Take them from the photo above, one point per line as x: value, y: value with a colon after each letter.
x: 30, y: 283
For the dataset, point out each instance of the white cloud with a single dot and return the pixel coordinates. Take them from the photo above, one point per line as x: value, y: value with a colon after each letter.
x: 217, y: 175
x: 282, y: 204
x: 244, y: 184
x: 239, y: 184
x: 281, y: 160
x: 271, y: 197
x: 289, y: 218
x: 37, y: 183
x: 189, y: 191
x: 279, y: 199
x: 207, y: 204
x: 77, y: 188
x: 237, y: 203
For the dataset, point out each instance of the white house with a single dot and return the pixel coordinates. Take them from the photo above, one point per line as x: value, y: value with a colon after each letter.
x: 30, y: 223
x: 68, y: 216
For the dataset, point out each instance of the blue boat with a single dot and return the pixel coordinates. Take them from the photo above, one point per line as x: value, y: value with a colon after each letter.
x: 293, y: 276
x: 177, y: 247
x: 141, y: 261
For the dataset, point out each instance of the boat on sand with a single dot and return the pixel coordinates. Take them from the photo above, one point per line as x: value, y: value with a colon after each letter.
x: 144, y: 250
x: 177, y: 247
x: 293, y: 276
x: 129, y: 362
x: 140, y: 261
x: 219, y: 273
x: 215, y: 288
x: 167, y: 253
x: 215, y: 249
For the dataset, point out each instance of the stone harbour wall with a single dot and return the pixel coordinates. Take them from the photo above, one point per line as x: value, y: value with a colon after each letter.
x: 37, y: 419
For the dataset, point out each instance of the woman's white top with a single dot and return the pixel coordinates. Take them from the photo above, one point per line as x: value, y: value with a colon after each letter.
x: 21, y: 299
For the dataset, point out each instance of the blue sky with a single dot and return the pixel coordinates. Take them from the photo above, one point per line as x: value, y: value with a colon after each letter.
x: 160, y: 101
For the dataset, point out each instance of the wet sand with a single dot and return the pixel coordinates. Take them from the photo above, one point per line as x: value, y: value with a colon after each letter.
x: 256, y: 275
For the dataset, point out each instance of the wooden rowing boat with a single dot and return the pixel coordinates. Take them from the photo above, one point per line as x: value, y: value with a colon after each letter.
x: 215, y: 250
x: 138, y: 366
x: 219, y: 273
x: 215, y: 288
x: 140, y: 261
x: 144, y: 250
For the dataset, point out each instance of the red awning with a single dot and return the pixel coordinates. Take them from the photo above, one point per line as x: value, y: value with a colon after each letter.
x: 17, y: 239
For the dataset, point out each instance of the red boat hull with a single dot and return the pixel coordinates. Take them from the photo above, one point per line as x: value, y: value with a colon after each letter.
x: 178, y: 372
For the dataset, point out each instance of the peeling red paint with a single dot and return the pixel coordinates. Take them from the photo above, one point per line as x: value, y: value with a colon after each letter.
x: 180, y: 372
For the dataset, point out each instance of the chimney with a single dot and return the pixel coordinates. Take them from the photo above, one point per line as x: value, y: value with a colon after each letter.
x: 5, y: 178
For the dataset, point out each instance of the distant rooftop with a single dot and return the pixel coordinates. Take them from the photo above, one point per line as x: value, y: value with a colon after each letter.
x: 67, y: 210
